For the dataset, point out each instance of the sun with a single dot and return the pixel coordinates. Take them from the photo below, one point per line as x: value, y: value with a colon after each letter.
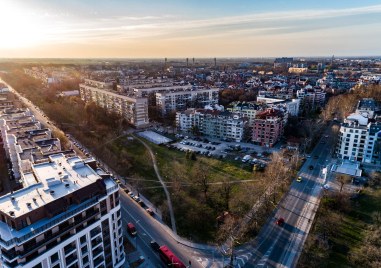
x: 19, y: 27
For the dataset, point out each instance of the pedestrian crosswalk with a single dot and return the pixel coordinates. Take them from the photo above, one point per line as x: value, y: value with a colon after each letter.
x: 238, y: 261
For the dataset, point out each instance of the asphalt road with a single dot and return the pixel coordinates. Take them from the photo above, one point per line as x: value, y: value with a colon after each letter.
x: 280, y: 246
x: 148, y: 228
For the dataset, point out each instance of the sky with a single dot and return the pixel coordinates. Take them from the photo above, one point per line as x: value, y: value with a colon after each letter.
x: 188, y: 28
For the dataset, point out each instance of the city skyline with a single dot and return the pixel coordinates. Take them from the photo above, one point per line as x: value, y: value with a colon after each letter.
x: 127, y: 29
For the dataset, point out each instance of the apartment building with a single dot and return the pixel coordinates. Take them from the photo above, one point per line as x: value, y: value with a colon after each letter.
x: 268, y: 127
x: 39, y: 74
x: 215, y: 124
x: 367, y: 107
x: 246, y: 109
x: 24, y: 141
x: 181, y: 100
x: 311, y: 98
x: 353, y: 138
x: 372, y: 149
x: 292, y: 105
x: 133, y: 109
x: 67, y: 215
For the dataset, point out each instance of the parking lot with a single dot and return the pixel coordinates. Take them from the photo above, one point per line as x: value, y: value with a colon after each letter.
x: 240, y: 152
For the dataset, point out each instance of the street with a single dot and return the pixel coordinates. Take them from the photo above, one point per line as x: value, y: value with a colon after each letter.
x: 281, y: 245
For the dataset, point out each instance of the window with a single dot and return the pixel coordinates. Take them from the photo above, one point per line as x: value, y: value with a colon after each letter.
x: 38, y: 266
x: 83, y: 239
x: 85, y: 260
x: 54, y: 257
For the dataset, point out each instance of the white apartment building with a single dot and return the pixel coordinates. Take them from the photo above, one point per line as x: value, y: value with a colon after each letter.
x: 211, y: 123
x: 189, y: 98
x: 353, y: 138
x: 366, y: 107
x: 134, y: 110
x: 246, y: 109
x: 68, y: 215
x: 310, y: 97
x: 372, y: 150
x: 292, y: 105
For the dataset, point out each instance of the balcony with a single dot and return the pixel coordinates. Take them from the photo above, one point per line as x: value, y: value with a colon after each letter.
x: 64, y: 216
x: 50, y: 240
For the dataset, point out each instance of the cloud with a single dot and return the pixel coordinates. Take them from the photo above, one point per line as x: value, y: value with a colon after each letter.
x: 170, y: 26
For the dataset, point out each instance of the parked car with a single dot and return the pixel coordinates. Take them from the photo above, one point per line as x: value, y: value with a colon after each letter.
x: 141, y: 203
x: 280, y: 221
x: 154, y: 245
x: 136, y: 198
x: 131, y: 229
x: 150, y: 211
x: 299, y: 179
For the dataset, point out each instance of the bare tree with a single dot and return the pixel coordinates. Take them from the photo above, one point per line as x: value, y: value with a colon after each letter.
x: 343, y: 179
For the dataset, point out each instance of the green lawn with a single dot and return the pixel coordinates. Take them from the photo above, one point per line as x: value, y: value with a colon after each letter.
x: 353, y: 226
x: 350, y: 228
x: 190, y: 202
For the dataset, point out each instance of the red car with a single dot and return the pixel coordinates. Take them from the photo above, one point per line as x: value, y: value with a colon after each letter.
x: 280, y: 221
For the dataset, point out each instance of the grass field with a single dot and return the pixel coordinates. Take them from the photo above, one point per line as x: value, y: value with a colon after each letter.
x: 348, y: 232
x: 182, y: 178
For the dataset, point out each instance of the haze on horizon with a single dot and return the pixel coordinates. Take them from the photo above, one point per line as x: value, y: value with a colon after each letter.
x: 180, y: 28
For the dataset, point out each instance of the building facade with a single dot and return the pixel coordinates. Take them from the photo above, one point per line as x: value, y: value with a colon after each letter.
x: 182, y: 100
x: 133, y: 109
x: 215, y: 124
x: 311, y: 98
x: 268, y: 127
x: 68, y: 215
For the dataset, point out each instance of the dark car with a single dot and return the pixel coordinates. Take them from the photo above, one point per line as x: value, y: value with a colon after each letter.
x: 154, y: 245
x: 280, y: 221
x: 150, y: 211
x: 311, y: 167
x: 141, y: 203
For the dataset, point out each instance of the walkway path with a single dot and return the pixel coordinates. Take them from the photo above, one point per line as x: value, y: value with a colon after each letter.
x: 154, y: 162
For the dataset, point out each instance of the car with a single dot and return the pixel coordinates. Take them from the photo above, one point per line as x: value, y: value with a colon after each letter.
x: 136, y: 198
x: 140, y: 260
x: 141, y: 203
x: 150, y: 211
x: 310, y: 167
x: 308, y: 156
x: 326, y: 186
x: 131, y: 229
x: 154, y: 245
x: 131, y: 194
x: 299, y: 179
x: 280, y: 221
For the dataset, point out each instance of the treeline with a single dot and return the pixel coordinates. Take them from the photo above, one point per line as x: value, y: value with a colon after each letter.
x: 90, y: 124
x: 341, y: 106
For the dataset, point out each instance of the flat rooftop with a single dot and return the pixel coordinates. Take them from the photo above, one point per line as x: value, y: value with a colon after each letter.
x: 48, y: 182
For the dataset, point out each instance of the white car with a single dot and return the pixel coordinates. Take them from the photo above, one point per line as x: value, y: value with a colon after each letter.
x: 326, y: 186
